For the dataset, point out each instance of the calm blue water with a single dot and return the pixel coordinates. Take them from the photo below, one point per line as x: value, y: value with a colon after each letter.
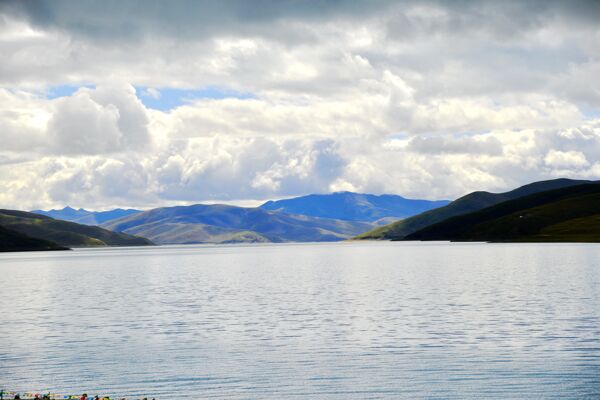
x: 327, y: 321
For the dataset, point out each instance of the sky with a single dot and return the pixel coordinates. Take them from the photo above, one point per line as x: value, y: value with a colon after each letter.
x: 145, y: 103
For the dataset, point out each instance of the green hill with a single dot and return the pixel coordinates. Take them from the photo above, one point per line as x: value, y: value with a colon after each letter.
x: 65, y: 233
x: 569, y: 214
x: 466, y: 204
x: 15, y: 241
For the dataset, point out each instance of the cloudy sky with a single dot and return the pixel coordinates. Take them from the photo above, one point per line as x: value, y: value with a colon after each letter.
x: 146, y: 103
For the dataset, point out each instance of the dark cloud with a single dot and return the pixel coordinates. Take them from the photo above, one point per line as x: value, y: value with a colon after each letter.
x: 205, y: 18
x: 181, y: 18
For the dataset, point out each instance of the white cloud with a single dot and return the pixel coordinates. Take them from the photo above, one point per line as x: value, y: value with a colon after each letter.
x: 566, y: 159
x: 80, y: 125
x: 152, y: 93
x: 429, y: 99
x: 481, y: 145
x: 90, y: 121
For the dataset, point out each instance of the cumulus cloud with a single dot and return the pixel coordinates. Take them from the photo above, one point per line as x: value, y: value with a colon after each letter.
x: 95, y: 121
x: 566, y: 159
x: 80, y: 125
x: 425, y: 99
x: 90, y: 121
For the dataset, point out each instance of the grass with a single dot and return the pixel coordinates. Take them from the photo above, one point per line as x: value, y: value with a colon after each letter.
x: 564, y: 215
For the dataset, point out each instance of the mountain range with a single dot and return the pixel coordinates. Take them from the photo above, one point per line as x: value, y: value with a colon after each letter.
x: 21, y: 226
x: 220, y: 223
x: 82, y: 216
x: 319, y: 217
x: 471, y: 202
x: 553, y: 210
x: 350, y: 206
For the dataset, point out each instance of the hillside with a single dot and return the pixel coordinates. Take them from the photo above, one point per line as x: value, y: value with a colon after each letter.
x: 569, y: 214
x: 466, y: 204
x: 86, y: 217
x: 15, y: 241
x: 353, y: 206
x: 227, y: 224
x: 65, y: 233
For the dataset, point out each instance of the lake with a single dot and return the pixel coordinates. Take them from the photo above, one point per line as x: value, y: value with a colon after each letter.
x: 328, y: 321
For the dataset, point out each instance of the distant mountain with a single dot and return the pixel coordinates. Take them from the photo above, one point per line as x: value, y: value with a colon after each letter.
x: 64, y: 233
x: 228, y: 224
x: 570, y: 214
x: 15, y: 241
x: 86, y: 217
x: 469, y: 203
x: 353, y: 206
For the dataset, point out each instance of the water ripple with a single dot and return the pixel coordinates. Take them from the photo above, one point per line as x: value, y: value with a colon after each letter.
x: 327, y: 321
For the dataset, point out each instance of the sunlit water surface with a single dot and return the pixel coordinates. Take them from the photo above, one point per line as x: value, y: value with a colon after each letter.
x: 326, y: 321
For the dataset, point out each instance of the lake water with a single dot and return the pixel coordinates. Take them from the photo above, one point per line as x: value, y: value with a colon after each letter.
x: 326, y: 321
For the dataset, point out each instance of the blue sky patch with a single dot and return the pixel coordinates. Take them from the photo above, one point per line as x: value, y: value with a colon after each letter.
x: 589, y: 111
x: 166, y: 99
x: 54, y: 92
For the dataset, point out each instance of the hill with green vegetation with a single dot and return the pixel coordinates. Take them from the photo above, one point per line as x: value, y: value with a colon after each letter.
x: 219, y: 223
x: 466, y: 204
x: 15, y: 241
x: 569, y: 214
x: 64, y: 233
